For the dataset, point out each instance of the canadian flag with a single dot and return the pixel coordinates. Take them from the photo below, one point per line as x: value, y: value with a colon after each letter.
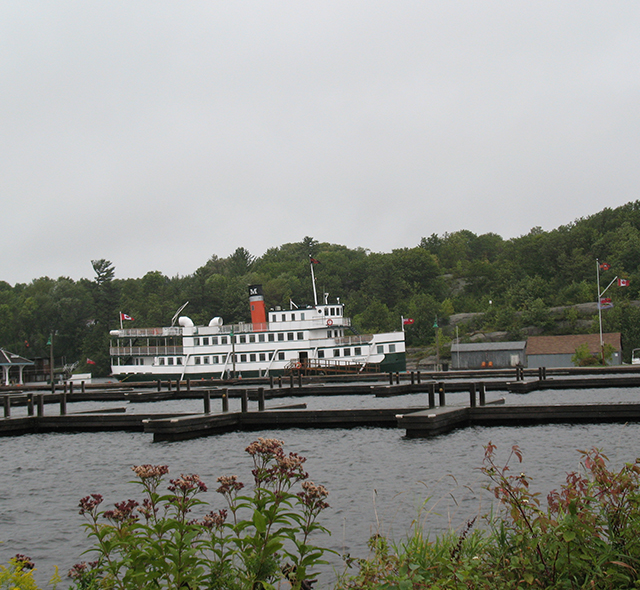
x: 90, y: 362
x: 623, y: 282
x: 407, y: 321
x: 124, y: 316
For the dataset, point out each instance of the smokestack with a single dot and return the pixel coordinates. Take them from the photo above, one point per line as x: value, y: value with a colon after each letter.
x: 256, y: 300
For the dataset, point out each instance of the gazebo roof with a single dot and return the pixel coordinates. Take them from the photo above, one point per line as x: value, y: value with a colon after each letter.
x: 10, y: 359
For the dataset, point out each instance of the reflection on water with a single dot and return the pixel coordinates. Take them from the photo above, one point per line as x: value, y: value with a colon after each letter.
x: 377, y: 479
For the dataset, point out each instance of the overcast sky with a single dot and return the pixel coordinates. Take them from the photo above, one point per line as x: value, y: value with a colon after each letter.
x: 156, y: 134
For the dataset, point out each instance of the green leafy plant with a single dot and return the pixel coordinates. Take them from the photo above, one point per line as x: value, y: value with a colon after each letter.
x: 18, y: 575
x: 260, y: 536
x: 585, y: 537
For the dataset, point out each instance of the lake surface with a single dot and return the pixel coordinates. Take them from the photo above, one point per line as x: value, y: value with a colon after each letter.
x: 378, y: 480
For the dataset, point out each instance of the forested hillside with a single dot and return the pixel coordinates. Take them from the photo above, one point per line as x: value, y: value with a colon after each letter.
x: 513, y: 283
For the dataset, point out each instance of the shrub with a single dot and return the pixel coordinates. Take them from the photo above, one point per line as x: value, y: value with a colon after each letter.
x: 257, y: 538
x: 585, y: 537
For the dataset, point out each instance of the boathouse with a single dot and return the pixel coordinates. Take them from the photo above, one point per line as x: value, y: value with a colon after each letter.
x: 556, y: 351
x: 488, y: 355
x: 12, y: 366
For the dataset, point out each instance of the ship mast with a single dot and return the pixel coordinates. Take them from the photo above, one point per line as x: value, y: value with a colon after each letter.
x: 313, y: 261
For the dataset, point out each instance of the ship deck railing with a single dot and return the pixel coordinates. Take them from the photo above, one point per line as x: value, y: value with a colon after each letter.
x: 329, y: 367
x: 146, y: 350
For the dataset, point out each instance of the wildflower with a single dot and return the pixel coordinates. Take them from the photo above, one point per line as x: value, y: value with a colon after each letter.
x: 186, y: 483
x: 313, y: 496
x: 214, y: 519
x: 265, y: 446
x: 229, y: 484
x: 123, y: 511
x: 23, y: 562
x: 150, y: 471
x: 90, y: 503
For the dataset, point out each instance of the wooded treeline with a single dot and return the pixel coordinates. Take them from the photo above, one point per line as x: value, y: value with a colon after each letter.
x: 513, y: 282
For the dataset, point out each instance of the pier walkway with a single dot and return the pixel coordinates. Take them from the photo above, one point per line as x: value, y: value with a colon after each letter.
x: 432, y: 419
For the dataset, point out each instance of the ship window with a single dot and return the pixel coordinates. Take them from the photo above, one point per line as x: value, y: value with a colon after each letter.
x: 243, y: 339
x: 336, y: 333
x: 243, y: 358
x: 357, y: 351
x: 252, y: 338
x: 347, y: 352
x: 293, y: 317
x: 179, y: 361
x: 290, y: 336
x: 262, y: 356
x: 214, y: 359
x: 321, y: 354
x: 328, y: 333
x: 326, y: 311
x: 272, y: 337
x: 333, y: 311
x: 271, y: 355
x: 161, y: 361
x: 302, y: 316
x: 169, y: 361
x: 206, y: 360
x: 196, y: 341
x: 260, y: 337
x: 280, y: 336
x: 392, y: 347
x: 284, y: 318
x: 336, y: 352
x: 205, y: 342
x: 380, y: 349
x: 223, y: 340
x: 197, y: 360
x: 281, y: 356
x: 252, y: 358
x: 300, y: 336
x: 214, y: 340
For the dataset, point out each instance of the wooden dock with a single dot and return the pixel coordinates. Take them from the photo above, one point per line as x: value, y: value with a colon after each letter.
x: 433, y: 418
x: 435, y: 421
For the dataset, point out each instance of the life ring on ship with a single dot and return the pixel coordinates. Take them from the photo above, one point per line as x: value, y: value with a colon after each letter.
x: 329, y: 322
x: 297, y: 365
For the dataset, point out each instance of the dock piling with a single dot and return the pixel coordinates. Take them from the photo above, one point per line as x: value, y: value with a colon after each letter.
x: 159, y: 385
x: 482, y: 392
x: 260, y: 399
x: 270, y: 381
x: 441, y: 393
x: 70, y: 387
x: 82, y: 387
x: 63, y: 403
x: 244, y: 401
x: 472, y: 395
x: 40, y: 404
x: 418, y: 377
x: 30, y: 405
x: 300, y: 379
x: 177, y: 385
x: 207, y: 401
x: 390, y: 378
x: 291, y: 380
x: 397, y: 378
x: 432, y: 395
x: 188, y: 384
x: 6, y: 402
x: 225, y: 401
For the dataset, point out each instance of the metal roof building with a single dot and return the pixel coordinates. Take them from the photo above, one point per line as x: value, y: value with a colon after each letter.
x: 556, y: 351
x: 484, y: 355
x: 9, y: 361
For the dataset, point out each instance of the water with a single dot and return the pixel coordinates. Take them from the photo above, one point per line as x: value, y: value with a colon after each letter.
x: 378, y: 480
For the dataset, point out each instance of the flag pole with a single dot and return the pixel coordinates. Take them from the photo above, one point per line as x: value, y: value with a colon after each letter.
x: 120, y: 314
x: 313, y: 280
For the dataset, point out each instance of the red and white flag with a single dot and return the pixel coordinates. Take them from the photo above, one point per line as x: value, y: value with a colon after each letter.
x: 90, y: 362
x: 124, y: 316
x: 605, y: 266
x: 623, y: 282
x: 407, y: 321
